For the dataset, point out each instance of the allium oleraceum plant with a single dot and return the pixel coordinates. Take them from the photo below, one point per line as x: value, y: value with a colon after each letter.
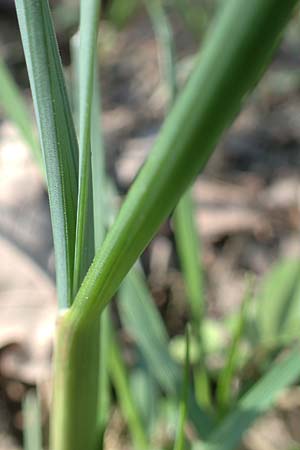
x: 236, y: 51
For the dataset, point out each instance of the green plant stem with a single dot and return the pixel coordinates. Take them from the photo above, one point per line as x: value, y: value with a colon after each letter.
x: 76, y: 383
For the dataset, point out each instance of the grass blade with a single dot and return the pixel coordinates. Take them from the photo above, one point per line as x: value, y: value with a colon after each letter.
x: 183, y: 408
x: 223, y: 393
x: 32, y: 422
x: 254, y: 403
x: 127, y: 404
x: 166, y: 47
x: 56, y: 131
x: 187, y: 243
x: 14, y: 106
x: 89, y: 20
x: 142, y: 320
x: 278, y: 315
x: 98, y: 170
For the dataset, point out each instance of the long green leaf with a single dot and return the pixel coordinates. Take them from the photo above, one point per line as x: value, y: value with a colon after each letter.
x: 206, y: 107
x: 187, y: 242
x: 56, y: 131
x: 254, y: 403
x: 89, y: 20
x: 166, y: 48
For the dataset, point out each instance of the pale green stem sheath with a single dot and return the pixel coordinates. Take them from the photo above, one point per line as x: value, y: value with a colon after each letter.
x: 74, y: 425
x: 232, y: 60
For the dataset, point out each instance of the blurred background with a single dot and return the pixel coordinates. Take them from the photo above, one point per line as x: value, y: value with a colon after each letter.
x: 246, y: 210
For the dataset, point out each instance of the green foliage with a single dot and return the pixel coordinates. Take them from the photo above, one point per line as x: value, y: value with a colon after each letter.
x: 183, y: 406
x: 278, y: 310
x: 120, y: 12
x: 79, y: 192
x: 254, y: 403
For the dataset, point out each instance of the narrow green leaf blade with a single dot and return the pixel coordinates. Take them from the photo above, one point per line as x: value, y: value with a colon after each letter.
x: 166, y: 46
x: 223, y: 393
x: 278, y: 312
x: 89, y: 20
x: 254, y: 403
x: 188, y: 245
x: 142, y: 320
x: 127, y: 403
x: 56, y: 131
x: 183, y: 408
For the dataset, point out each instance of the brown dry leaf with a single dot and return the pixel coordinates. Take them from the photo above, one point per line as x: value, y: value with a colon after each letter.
x: 224, y: 209
x: 218, y: 222
x: 27, y: 302
x: 134, y: 155
x: 27, y: 294
x: 24, y: 211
